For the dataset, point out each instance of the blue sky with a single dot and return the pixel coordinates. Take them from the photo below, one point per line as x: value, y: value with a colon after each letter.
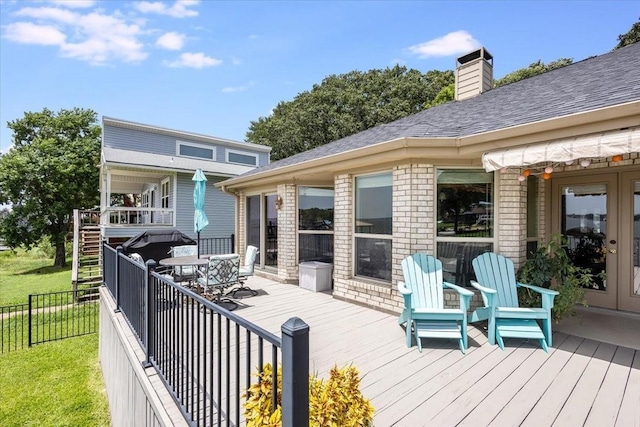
x: 212, y: 67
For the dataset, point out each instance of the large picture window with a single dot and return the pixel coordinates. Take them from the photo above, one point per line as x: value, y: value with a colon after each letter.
x: 465, y: 224
x: 315, y: 224
x: 373, y: 226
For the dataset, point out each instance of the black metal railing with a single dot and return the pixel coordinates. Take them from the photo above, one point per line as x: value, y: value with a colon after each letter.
x: 206, y: 355
x: 49, y: 317
x: 217, y: 245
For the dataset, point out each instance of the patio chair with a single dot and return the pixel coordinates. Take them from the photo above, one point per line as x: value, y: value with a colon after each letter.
x: 222, y: 272
x: 184, y: 273
x: 424, y: 312
x: 496, y: 280
x: 245, y: 271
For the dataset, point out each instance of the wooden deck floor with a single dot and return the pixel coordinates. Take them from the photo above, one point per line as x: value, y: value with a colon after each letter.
x: 579, y: 382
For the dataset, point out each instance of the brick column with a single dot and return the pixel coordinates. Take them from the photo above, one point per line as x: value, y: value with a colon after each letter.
x: 512, y: 220
x: 343, y: 233
x: 287, y: 234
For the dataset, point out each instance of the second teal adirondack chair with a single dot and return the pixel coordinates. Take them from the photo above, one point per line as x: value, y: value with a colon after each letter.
x: 424, y: 312
x: 496, y: 280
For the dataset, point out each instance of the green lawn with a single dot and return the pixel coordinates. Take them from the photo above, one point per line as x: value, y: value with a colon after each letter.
x: 56, y: 383
x: 23, y: 273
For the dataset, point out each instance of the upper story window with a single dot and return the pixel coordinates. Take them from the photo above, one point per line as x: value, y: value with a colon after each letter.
x: 373, y: 226
x: 242, y: 157
x: 200, y: 151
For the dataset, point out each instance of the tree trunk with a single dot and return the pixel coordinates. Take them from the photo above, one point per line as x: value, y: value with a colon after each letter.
x: 61, y: 258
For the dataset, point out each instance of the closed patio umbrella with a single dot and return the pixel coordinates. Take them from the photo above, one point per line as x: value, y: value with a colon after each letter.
x: 200, y: 220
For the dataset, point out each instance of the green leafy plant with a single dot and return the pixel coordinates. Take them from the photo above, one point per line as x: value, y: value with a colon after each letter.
x: 336, y: 401
x: 551, y: 267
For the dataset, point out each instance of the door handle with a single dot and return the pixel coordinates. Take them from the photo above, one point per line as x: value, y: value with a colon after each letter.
x: 613, y: 251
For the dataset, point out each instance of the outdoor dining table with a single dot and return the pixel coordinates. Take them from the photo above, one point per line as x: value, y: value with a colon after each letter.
x: 184, y: 261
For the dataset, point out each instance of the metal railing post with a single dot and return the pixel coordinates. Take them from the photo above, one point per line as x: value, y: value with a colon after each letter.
x: 295, y: 373
x: 150, y: 311
x: 119, y: 250
x: 233, y: 243
x: 29, y: 319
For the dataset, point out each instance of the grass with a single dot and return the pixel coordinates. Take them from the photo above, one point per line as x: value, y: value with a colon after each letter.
x: 23, y: 273
x: 52, y: 384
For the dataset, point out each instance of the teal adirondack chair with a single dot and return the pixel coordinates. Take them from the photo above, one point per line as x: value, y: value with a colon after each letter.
x: 424, y: 312
x: 496, y: 280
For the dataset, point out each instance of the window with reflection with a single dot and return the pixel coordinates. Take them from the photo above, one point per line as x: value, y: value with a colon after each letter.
x: 373, y: 226
x: 465, y: 223
x: 315, y: 224
x: 465, y: 203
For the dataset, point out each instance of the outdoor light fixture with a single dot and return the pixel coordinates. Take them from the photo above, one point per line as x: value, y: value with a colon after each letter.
x: 278, y: 202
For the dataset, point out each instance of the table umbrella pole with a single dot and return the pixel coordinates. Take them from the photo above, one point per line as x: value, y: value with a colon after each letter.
x: 198, y: 251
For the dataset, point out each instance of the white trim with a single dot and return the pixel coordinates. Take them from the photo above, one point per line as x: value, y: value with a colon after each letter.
x: 601, y: 145
x: 243, y: 153
x: 213, y: 149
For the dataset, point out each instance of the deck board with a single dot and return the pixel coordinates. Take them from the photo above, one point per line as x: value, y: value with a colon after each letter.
x: 580, y: 381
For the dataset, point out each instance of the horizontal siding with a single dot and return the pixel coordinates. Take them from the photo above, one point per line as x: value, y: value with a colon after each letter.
x: 219, y: 207
x: 149, y: 142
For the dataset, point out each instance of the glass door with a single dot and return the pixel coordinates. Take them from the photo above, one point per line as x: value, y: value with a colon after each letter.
x: 629, y: 291
x: 586, y: 212
x: 271, y: 230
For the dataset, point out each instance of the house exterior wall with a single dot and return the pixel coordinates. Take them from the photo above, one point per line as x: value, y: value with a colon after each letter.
x: 219, y: 208
x: 160, y: 143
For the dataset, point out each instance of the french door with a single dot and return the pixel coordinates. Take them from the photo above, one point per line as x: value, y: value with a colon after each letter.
x: 600, y: 215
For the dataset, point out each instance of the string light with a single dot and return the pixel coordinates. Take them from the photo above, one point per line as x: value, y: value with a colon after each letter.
x: 616, y: 158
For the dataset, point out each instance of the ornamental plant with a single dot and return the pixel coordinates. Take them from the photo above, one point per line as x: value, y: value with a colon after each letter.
x: 550, y: 267
x: 336, y: 401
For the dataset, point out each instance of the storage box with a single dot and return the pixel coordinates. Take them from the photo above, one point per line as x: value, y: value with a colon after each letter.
x: 315, y: 276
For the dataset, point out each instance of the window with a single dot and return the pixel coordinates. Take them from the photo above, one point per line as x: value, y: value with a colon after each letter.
x: 196, y: 150
x: 373, y: 226
x: 242, y: 158
x: 262, y: 228
x: 315, y: 224
x: 164, y: 194
x: 465, y: 220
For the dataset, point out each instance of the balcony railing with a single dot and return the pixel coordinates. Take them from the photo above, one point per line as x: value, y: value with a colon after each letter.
x: 128, y: 216
x: 205, y: 354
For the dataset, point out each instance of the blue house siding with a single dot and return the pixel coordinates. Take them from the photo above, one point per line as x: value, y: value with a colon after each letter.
x: 219, y: 207
x: 158, y: 143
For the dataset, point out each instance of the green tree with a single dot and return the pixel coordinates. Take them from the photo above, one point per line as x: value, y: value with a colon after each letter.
x: 51, y: 169
x: 630, y: 37
x: 534, y: 69
x: 343, y: 105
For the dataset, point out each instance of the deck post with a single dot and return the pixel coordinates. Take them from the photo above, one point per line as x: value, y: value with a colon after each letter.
x: 150, y: 310
x: 119, y: 251
x: 295, y: 373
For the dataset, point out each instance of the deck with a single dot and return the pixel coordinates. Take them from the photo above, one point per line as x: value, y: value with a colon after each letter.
x: 579, y: 382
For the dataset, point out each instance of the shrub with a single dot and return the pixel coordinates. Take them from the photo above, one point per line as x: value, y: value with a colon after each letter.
x: 334, y: 402
x: 551, y: 267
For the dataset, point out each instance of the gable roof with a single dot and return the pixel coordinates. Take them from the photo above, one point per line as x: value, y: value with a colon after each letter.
x: 603, y: 81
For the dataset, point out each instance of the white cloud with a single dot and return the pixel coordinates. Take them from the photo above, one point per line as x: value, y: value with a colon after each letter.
x: 231, y: 89
x: 451, y: 44
x: 29, y: 33
x: 194, y: 60
x: 171, y: 41
x: 180, y: 9
x: 50, y: 13
x: 80, y: 4
x: 93, y: 37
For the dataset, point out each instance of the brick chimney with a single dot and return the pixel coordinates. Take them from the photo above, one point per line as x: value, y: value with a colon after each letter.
x: 474, y: 74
